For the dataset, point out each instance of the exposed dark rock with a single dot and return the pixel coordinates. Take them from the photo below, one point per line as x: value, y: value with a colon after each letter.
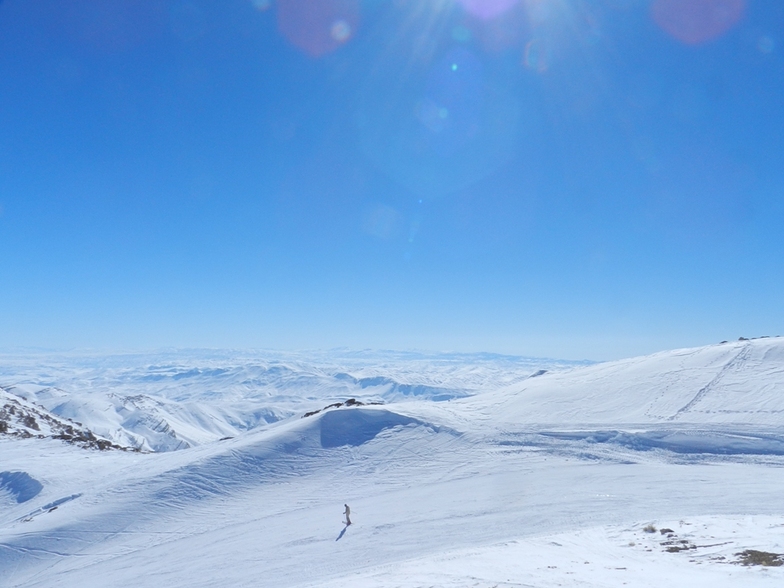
x: 349, y: 402
x: 20, y: 418
x: 676, y: 545
x: 30, y: 422
x: 752, y: 557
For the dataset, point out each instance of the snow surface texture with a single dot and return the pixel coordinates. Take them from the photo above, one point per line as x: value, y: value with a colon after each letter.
x: 647, y: 472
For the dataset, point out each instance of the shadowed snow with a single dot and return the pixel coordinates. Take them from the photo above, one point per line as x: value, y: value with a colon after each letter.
x: 357, y: 426
x: 20, y: 485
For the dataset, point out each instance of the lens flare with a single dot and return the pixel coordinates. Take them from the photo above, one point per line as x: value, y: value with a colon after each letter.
x: 457, y: 130
x: 431, y: 115
x: 262, y: 5
x: 382, y: 222
x: 765, y: 44
x: 536, y: 56
x: 317, y: 28
x: 461, y: 34
x: 487, y: 9
x: 341, y: 31
x: 497, y: 35
x: 697, y: 21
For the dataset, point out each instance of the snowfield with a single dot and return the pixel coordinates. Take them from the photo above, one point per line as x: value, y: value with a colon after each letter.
x: 474, y: 471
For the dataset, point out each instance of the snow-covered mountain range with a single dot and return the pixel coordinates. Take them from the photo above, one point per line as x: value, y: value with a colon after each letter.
x: 464, y: 470
x: 175, y: 400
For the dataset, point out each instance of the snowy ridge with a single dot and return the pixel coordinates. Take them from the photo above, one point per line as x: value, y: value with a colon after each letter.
x: 22, y: 420
x: 171, y: 401
x: 734, y: 383
x: 663, y: 468
x: 722, y: 399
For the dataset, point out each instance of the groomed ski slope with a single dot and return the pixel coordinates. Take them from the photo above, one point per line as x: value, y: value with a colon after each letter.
x: 547, y: 482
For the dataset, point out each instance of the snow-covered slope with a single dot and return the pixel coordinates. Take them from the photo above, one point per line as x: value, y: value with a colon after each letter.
x: 726, y: 398
x: 731, y: 383
x: 514, y: 486
x: 174, y: 400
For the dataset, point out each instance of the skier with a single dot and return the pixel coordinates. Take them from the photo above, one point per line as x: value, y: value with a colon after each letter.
x: 347, y: 513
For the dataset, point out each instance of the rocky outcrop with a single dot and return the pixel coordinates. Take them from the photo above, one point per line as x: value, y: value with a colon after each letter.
x: 22, y: 419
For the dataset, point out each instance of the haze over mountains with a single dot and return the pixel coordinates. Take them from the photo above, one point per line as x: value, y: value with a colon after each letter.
x: 471, y: 471
x: 173, y: 400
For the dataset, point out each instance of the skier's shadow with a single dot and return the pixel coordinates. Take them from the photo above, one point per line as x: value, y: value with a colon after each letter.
x: 343, y: 532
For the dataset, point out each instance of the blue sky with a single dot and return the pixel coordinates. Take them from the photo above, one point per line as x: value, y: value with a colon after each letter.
x: 578, y: 179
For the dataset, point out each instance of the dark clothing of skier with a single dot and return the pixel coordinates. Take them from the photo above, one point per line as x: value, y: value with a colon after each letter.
x: 347, y: 513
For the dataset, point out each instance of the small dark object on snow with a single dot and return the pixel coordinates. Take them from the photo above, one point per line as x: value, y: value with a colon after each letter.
x: 752, y: 557
x: 349, y: 402
x: 665, y: 531
x: 677, y: 545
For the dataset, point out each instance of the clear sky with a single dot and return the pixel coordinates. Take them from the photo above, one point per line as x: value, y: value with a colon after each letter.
x: 569, y: 178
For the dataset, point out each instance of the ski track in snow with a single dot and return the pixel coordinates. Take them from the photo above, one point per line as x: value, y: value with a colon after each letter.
x: 739, y: 359
x: 544, y: 481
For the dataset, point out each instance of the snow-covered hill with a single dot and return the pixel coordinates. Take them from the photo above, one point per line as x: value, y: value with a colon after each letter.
x: 533, y: 481
x: 726, y: 398
x: 174, y: 400
x: 730, y: 383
